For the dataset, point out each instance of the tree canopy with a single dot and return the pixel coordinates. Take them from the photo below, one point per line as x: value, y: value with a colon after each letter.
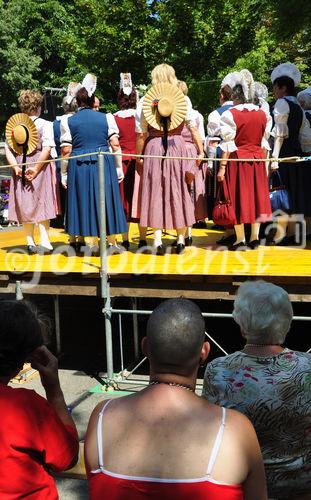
x: 47, y: 43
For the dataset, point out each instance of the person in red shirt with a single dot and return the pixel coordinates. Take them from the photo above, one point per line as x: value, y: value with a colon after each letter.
x: 165, y: 442
x: 37, y: 435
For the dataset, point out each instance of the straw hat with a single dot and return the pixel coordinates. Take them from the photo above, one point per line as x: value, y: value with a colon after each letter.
x: 20, y: 131
x: 164, y: 100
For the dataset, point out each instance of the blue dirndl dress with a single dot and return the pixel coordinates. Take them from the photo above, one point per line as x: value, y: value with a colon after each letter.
x: 89, y: 133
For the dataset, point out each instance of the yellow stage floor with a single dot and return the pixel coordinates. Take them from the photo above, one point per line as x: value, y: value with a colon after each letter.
x: 204, y: 259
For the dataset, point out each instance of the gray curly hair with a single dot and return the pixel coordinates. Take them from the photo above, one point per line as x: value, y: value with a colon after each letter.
x: 263, y: 311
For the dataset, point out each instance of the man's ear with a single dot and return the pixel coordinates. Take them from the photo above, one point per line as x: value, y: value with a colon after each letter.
x: 144, y: 346
x: 205, y: 352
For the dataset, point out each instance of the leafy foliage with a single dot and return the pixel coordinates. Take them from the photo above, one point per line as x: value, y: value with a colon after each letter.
x: 49, y: 42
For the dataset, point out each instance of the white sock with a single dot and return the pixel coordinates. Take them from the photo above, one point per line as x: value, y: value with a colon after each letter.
x: 189, y: 232
x: 44, y: 234
x: 157, y: 237
x: 255, y: 231
x: 29, y: 230
x: 240, y: 234
x: 181, y: 235
x: 111, y: 239
x: 91, y: 241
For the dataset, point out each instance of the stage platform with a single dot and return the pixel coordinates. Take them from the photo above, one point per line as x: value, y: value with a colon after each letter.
x: 204, y: 271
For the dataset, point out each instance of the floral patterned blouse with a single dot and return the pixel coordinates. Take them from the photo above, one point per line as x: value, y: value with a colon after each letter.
x: 274, y: 392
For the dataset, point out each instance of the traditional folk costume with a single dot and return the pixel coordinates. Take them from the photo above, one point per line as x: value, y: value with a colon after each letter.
x: 165, y: 199
x: 213, y: 139
x: 125, y: 120
x: 88, y: 132
x: 245, y: 129
x: 198, y: 187
x: 293, y: 128
x: 36, y: 201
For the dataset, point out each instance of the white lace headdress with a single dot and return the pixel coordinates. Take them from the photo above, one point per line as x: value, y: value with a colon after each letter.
x: 126, y: 83
x: 248, y: 84
x: 261, y: 91
x: 231, y: 79
x: 89, y: 82
x: 287, y: 69
x: 304, y: 98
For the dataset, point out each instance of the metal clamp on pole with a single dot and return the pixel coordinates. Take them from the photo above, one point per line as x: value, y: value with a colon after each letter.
x: 105, y: 285
x: 18, y: 290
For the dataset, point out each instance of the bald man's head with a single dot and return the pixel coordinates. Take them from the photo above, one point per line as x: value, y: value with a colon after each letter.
x: 175, y: 335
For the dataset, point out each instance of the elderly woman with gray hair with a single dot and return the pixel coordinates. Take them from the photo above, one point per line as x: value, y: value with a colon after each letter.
x: 271, y: 385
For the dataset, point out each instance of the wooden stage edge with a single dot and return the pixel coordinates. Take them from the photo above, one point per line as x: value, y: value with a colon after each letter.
x: 192, y: 287
x: 204, y: 272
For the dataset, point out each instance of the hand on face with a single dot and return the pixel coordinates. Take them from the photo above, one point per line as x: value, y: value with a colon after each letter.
x: 47, y: 365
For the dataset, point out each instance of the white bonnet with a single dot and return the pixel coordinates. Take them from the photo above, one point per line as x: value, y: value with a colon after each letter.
x: 248, y: 84
x: 305, y: 96
x: 231, y: 79
x: 89, y: 82
x: 126, y: 83
x: 287, y: 69
x: 261, y: 90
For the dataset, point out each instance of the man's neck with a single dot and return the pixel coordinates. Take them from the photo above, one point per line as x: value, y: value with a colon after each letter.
x: 174, y: 379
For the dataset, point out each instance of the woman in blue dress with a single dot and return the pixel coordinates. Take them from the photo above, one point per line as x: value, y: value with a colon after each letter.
x: 85, y: 133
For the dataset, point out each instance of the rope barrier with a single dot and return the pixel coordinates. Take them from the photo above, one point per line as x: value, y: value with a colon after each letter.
x: 289, y: 159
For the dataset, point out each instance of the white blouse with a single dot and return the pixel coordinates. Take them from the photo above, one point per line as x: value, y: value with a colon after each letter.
x: 65, y: 134
x: 199, y: 120
x: 228, y: 128
x: 141, y: 125
x: 47, y: 131
x: 125, y: 113
x: 213, y: 123
x: 280, y: 129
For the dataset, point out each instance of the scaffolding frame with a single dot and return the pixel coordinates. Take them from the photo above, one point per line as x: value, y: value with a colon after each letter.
x: 112, y: 380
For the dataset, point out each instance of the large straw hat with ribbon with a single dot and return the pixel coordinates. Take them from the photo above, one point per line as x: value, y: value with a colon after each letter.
x: 21, y: 134
x: 164, y: 106
x: 22, y: 137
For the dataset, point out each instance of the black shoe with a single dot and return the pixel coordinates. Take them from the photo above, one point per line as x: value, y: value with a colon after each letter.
x: 142, y: 243
x: 79, y: 245
x: 160, y: 250
x: 226, y: 240
x: 201, y: 224
x: 254, y: 244
x: 288, y: 241
x: 270, y: 243
x: 125, y: 244
x: 41, y: 250
x: 188, y: 241
x: 180, y: 248
x: 32, y: 249
x: 238, y: 246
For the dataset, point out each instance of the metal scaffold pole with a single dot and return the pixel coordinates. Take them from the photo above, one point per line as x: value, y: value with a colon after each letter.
x: 105, y: 285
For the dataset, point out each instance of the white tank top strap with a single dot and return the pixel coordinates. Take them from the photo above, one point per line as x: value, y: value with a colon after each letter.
x: 100, y: 434
x: 217, y: 444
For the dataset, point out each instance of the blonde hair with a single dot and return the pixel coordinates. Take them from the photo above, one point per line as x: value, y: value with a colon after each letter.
x: 29, y: 101
x: 183, y: 87
x: 163, y: 73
